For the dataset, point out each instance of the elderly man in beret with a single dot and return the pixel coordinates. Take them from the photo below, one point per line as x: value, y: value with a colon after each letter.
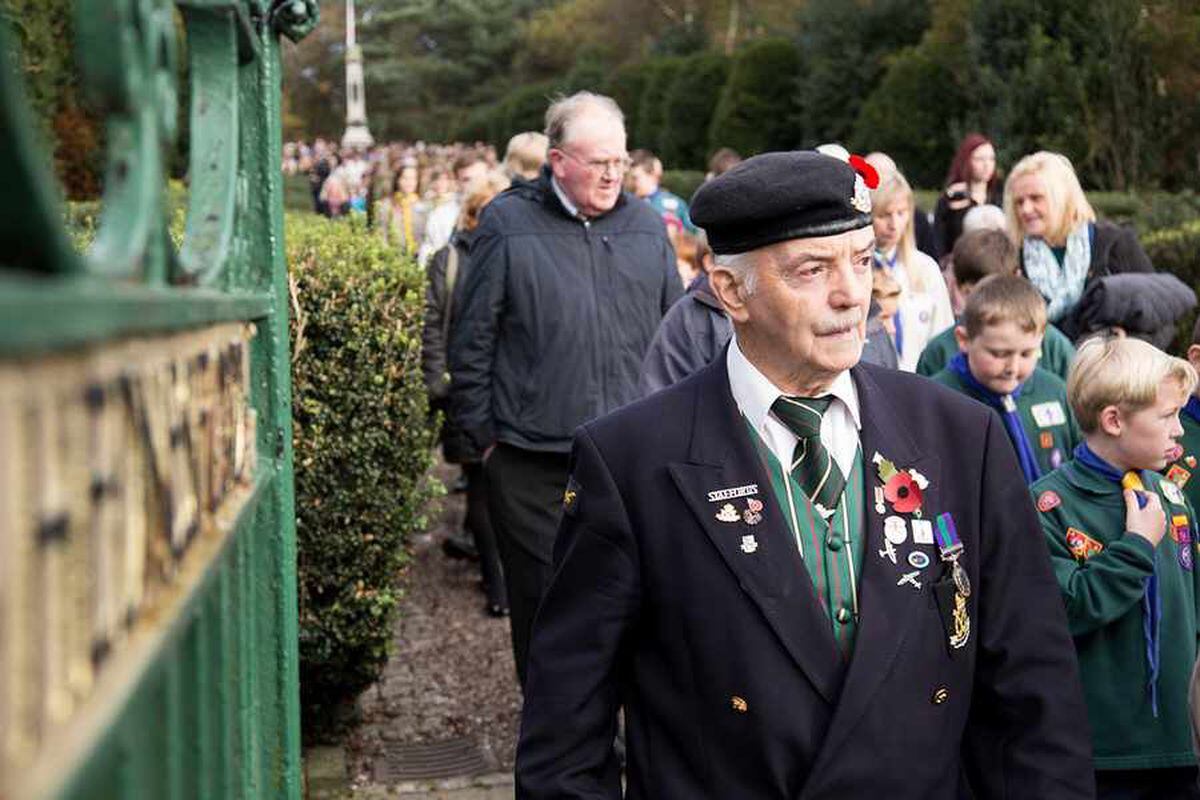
x: 800, y: 576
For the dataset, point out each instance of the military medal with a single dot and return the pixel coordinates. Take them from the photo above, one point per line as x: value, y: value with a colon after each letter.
x: 728, y: 514
x: 894, y: 530
x: 918, y: 559
x: 888, y: 551
x: 749, y: 544
x: 952, y: 592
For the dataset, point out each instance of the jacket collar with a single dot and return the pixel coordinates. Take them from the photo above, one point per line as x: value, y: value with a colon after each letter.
x: 1087, y: 480
x: 552, y: 199
x: 701, y: 291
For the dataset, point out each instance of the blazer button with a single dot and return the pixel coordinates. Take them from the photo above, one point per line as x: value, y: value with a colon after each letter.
x: 844, y: 615
x: 739, y: 704
x: 940, y: 695
x: 834, y: 542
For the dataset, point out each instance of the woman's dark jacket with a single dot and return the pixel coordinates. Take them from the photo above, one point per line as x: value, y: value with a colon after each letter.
x: 439, y: 322
x: 948, y: 222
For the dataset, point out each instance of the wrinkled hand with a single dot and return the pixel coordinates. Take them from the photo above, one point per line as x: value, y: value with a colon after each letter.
x: 1150, y: 522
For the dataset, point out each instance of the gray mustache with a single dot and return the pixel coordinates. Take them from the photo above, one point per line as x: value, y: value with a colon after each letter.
x: 850, y: 319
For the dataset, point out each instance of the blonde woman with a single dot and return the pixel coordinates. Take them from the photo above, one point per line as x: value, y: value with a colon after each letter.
x: 1062, y: 245
x: 924, y: 310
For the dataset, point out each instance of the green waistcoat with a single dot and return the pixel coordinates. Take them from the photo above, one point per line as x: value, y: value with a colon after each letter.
x: 832, y: 550
x: 1183, y: 471
x: 1057, y: 353
x: 1044, y: 411
x: 1102, y: 572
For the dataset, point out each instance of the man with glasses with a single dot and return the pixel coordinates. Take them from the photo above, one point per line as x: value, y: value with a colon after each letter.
x: 569, y: 279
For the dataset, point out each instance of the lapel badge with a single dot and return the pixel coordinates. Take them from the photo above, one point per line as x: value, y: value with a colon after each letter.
x: 749, y: 544
x: 1190, y: 461
x: 922, y: 531
x: 1048, y: 501
x: 895, y: 530
x: 918, y: 559
x: 1181, y: 532
x: 911, y: 579
x: 728, y: 514
x: 1178, y: 476
x: 901, y: 488
x: 753, y: 513
x: 733, y: 493
x: 571, y: 496
x: 888, y: 551
x: 739, y: 704
x: 1046, y: 440
x: 880, y: 508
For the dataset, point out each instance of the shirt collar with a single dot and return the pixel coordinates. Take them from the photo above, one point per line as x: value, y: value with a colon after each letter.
x: 571, y: 208
x: 755, y: 394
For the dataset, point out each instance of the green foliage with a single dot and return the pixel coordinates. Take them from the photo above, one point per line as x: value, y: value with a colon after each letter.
x: 691, y: 101
x: 845, y: 46
x: 362, y: 448
x: 752, y: 113
x: 626, y: 87
x: 1148, y: 212
x: 1177, y: 250
x: 652, y: 108
x: 683, y: 182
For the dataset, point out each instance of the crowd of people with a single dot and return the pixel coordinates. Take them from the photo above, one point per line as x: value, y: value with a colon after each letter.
x: 787, y: 469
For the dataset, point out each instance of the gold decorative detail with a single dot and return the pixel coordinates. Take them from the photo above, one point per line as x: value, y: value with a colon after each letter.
x: 941, y: 695
x: 739, y: 704
x: 962, y: 622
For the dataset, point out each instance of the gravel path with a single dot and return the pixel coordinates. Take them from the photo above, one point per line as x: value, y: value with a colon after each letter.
x: 450, y: 682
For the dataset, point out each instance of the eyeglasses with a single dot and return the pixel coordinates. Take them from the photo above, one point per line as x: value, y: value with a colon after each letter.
x: 617, y: 166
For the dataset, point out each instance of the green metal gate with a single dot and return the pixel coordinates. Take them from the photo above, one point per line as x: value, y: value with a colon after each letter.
x: 148, y: 621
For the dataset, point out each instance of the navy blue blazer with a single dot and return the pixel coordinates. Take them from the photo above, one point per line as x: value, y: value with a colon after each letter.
x: 724, y: 660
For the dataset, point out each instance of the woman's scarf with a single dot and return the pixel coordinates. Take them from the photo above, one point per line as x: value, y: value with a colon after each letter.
x: 1061, y: 285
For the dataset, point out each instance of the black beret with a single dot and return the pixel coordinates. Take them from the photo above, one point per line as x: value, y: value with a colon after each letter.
x: 778, y: 196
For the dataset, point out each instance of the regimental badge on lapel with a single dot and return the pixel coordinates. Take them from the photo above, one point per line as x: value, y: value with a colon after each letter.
x: 1081, y: 545
x: 571, y: 497
x: 728, y: 514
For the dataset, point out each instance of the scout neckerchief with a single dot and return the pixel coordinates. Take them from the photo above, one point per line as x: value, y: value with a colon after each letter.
x: 813, y: 467
x: 1006, y: 404
x: 888, y: 265
x: 1151, y: 601
x: 1061, y: 285
x: 1192, y: 409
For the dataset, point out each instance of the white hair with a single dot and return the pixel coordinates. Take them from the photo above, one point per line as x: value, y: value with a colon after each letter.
x: 743, y: 267
x: 564, y: 112
x: 986, y: 217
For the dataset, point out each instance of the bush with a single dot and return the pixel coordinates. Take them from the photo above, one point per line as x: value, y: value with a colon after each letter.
x: 1147, y: 211
x: 362, y: 447
x: 1177, y: 250
x: 626, y: 87
x: 652, y: 108
x: 752, y: 114
x: 692, y: 98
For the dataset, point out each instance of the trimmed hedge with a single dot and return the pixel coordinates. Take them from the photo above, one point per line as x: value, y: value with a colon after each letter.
x: 683, y: 182
x: 1177, y: 250
x: 691, y: 101
x: 363, y: 444
x: 752, y: 115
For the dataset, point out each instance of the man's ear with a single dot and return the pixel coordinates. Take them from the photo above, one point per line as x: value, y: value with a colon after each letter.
x: 1110, y: 420
x: 730, y: 292
x: 960, y: 336
x: 1193, y: 355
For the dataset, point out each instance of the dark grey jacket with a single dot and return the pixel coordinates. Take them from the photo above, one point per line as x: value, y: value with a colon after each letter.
x: 695, y: 331
x: 555, y: 316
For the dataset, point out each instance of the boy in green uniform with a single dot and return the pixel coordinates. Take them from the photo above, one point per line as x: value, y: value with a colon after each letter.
x: 1182, y: 471
x: 999, y: 339
x: 1121, y: 541
x: 977, y: 255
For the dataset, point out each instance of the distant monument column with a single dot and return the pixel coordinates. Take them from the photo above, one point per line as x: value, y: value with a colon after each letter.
x: 356, y: 134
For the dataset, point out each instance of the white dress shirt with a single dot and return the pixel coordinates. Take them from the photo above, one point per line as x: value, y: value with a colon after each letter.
x: 754, y: 394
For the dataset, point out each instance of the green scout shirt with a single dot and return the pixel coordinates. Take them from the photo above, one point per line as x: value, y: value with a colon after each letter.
x: 832, y: 550
x: 1101, y: 571
x: 1183, y: 471
x: 1044, y: 411
x: 1057, y: 353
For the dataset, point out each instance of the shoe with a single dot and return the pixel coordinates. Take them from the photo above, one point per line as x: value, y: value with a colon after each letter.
x: 460, y: 546
x: 496, y: 610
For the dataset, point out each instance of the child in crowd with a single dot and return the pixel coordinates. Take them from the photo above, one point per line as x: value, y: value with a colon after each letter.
x: 999, y: 340
x: 1182, y: 472
x: 886, y: 292
x: 1121, y: 542
x: 978, y: 254
x: 924, y: 302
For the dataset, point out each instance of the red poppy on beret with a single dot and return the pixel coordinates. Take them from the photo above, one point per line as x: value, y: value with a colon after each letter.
x: 870, y: 176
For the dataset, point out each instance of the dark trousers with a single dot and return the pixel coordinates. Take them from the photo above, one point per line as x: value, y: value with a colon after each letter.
x: 479, y: 523
x: 1178, y: 783
x: 525, y: 495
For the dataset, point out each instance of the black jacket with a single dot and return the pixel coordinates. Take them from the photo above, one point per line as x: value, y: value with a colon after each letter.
x: 555, y: 316
x: 439, y: 323
x: 725, y: 661
x: 1146, y: 306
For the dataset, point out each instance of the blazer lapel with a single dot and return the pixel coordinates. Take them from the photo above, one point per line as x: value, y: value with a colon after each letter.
x: 766, y: 563
x: 887, y: 608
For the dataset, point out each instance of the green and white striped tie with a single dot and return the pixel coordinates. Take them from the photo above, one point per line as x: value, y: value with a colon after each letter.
x: 813, y: 468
